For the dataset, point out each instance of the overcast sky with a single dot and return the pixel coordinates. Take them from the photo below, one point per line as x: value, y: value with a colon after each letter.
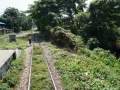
x: 21, y: 5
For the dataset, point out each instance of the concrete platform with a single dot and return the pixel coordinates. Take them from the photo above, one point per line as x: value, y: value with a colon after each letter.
x: 5, y: 55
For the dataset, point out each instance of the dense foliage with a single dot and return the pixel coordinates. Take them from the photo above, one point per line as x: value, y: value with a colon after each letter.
x: 105, y: 18
x: 100, y: 21
x: 98, y: 28
x: 16, y: 20
x: 66, y: 39
x: 51, y: 12
x: 92, y: 70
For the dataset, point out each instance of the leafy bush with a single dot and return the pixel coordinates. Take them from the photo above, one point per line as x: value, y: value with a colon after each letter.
x: 92, y: 70
x: 105, y: 56
x: 4, y: 86
x: 92, y: 43
x: 66, y: 39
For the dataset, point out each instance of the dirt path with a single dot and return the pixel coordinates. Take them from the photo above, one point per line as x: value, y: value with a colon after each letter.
x: 26, y: 71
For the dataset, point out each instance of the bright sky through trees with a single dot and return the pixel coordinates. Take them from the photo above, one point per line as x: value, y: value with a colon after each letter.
x: 18, y: 4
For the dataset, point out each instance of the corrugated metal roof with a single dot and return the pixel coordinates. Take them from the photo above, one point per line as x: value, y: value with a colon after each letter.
x: 2, y: 23
x: 5, y: 29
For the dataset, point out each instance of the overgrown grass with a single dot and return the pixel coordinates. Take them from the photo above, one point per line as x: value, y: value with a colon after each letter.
x: 21, y: 43
x: 12, y: 77
x: 91, y: 70
x: 40, y: 78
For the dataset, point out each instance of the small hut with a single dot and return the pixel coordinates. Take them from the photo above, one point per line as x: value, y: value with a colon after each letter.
x: 4, y: 30
x: 2, y: 25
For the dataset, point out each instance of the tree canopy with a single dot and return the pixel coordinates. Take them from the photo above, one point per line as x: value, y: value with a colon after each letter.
x: 99, y: 22
x: 16, y: 20
x: 50, y: 12
x: 105, y: 18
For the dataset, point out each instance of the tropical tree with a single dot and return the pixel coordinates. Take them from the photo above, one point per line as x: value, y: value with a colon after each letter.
x: 53, y: 12
x: 68, y: 9
x: 12, y: 18
x: 81, y: 23
x: 25, y: 21
x: 16, y: 20
x: 104, y: 24
x: 71, y: 7
x: 43, y: 12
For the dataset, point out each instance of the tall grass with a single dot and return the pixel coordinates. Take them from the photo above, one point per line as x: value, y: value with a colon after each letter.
x: 21, y: 43
x: 40, y: 79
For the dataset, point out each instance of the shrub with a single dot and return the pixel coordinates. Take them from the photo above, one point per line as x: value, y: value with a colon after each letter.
x: 92, y: 70
x: 4, y: 86
x: 105, y: 56
x: 65, y: 38
x: 92, y: 43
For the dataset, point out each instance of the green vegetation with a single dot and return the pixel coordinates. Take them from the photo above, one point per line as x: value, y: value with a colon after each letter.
x: 97, y: 69
x: 21, y: 43
x: 40, y: 78
x: 66, y: 24
x: 60, y: 36
x: 49, y: 12
x: 99, y: 28
x: 95, y: 26
x: 12, y: 77
x: 16, y: 20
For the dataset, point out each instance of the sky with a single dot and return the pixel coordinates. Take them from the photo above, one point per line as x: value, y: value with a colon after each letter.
x: 21, y: 5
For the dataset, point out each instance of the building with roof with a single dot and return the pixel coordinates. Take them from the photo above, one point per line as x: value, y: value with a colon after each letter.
x: 4, y: 30
x: 2, y: 25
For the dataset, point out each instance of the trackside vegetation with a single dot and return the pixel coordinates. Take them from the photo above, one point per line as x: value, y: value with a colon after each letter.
x: 84, y: 44
x: 98, y: 26
x: 40, y: 78
x: 90, y: 70
x: 12, y: 77
x: 21, y: 43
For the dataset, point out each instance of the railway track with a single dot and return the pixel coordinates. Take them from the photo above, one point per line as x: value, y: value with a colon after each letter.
x: 56, y: 80
x: 25, y: 80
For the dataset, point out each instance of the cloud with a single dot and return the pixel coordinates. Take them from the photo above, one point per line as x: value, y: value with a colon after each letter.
x: 18, y: 4
x: 14, y: 3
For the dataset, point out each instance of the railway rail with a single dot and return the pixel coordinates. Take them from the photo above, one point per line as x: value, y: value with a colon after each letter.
x: 49, y: 62
x: 26, y: 76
